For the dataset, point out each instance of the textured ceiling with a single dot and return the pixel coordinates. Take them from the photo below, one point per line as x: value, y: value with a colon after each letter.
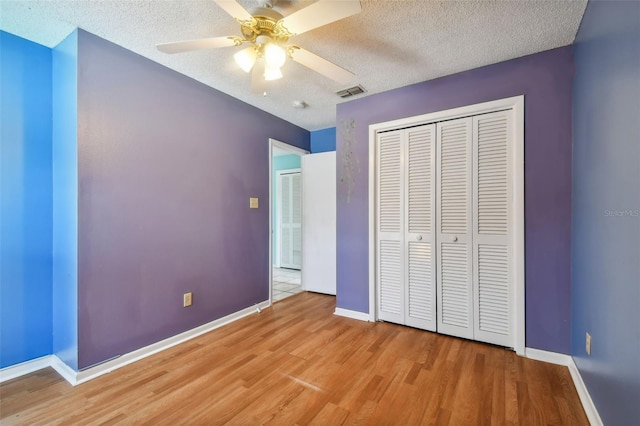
x: 390, y: 44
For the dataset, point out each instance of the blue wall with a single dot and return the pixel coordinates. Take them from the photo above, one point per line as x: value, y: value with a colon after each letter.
x: 606, y: 208
x: 65, y: 200
x: 282, y: 162
x: 323, y: 140
x: 93, y: 185
x: 25, y: 200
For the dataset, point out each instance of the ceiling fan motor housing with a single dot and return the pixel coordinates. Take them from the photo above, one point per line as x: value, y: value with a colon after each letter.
x: 264, y: 23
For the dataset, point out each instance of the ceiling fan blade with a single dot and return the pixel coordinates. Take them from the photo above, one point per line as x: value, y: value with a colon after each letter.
x: 258, y: 83
x: 234, y: 9
x: 202, y: 43
x: 320, y: 13
x: 321, y: 65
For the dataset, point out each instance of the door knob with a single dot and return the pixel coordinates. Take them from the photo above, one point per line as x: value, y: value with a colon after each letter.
x: 454, y: 238
x: 419, y: 238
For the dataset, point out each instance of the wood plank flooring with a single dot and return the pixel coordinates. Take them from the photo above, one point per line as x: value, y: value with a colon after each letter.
x: 297, y: 363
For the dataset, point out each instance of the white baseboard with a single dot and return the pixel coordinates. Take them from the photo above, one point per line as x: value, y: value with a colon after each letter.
x: 352, y: 314
x: 76, y: 378
x: 589, y: 407
x: 128, y: 358
x: 67, y: 373
x: 567, y: 361
x: 546, y: 356
x: 23, y: 368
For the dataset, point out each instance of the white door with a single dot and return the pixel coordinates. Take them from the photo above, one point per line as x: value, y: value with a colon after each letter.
x: 420, y: 236
x: 492, y: 228
x: 290, y: 220
x: 454, y: 234
x: 406, y: 238
x: 319, y: 222
x: 449, y: 222
x: 390, y: 233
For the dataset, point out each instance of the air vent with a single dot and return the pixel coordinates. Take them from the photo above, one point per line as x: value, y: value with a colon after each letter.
x: 351, y: 91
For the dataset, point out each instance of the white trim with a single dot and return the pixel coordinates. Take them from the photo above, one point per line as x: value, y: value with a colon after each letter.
x: 67, y: 373
x: 449, y: 114
x: 126, y: 359
x: 274, y: 143
x: 373, y: 309
x: 17, y: 370
x: 546, y: 356
x: 348, y: 313
x: 518, y: 222
x: 76, y: 378
x: 583, y: 393
x: 516, y: 104
x: 587, y: 403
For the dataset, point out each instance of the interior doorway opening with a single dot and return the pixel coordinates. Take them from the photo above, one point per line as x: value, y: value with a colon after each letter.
x: 285, y: 217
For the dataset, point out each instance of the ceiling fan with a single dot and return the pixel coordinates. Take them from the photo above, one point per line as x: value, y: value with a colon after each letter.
x: 267, y: 33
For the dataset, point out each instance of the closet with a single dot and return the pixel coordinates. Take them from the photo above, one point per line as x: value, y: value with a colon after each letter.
x: 290, y: 210
x: 445, y: 250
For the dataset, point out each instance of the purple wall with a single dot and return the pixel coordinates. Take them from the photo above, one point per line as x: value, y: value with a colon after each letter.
x: 606, y: 208
x: 545, y: 79
x: 166, y: 169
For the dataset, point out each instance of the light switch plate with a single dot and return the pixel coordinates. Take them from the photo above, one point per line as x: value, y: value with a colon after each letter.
x: 253, y: 203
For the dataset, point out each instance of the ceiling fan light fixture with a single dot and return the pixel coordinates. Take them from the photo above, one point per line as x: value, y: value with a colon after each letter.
x: 246, y: 58
x: 268, y: 32
x: 274, y: 55
x: 272, y: 73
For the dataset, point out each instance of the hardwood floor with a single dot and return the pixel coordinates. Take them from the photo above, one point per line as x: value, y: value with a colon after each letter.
x: 297, y: 363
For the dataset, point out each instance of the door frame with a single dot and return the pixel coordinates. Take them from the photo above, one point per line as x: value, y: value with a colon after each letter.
x: 274, y: 143
x: 516, y: 104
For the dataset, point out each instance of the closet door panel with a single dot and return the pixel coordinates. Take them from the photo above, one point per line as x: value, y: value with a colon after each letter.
x: 391, y: 282
x: 291, y: 221
x: 420, y: 236
x: 390, y: 209
x: 493, y: 284
x: 454, y: 231
x: 285, y: 221
x: 455, y: 291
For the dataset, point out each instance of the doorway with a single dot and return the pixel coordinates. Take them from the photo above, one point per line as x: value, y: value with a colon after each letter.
x: 285, y: 216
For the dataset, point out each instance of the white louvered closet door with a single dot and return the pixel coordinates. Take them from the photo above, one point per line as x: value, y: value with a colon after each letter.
x: 285, y: 221
x: 390, y: 223
x: 291, y: 221
x: 419, y: 238
x: 454, y: 231
x: 493, y: 289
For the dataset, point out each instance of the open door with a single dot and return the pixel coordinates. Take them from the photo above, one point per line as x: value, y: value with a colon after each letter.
x: 319, y: 222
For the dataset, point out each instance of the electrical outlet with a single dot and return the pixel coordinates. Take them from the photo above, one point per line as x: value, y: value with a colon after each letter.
x: 187, y: 299
x: 588, y: 344
x: 253, y: 203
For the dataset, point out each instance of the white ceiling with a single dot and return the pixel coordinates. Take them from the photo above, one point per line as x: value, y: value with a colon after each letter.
x: 390, y: 44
